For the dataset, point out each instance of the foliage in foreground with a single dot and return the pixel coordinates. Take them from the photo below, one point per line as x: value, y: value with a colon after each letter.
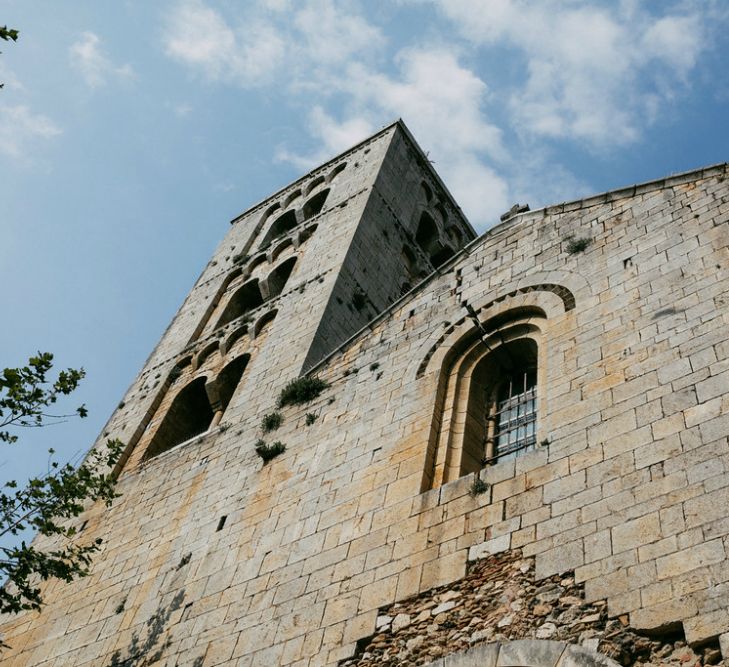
x: 46, y: 503
x: 8, y: 35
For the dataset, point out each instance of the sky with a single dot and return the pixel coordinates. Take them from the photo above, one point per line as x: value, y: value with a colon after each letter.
x: 132, y: 132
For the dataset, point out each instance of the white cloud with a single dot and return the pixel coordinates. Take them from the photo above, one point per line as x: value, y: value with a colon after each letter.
x: 332, y: 137
x: 20, y: 127
x: 95, y: 68
x: 330, y: 33
x: 591, y: 73
x: 596, y: 75
x: 676, y: 41
x: 199, y: 36
x: 442, y: 103
x: 272, y: 41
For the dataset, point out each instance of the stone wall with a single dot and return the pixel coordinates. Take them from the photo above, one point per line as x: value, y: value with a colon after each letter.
x: 626, y: 493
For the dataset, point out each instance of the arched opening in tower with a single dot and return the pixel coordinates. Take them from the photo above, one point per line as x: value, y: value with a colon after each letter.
x: 427, y: 234
x: 279, y: 276
x: 280, y: 226
x: 189, y: 415
x: 246, y: 298
x: 315, y: 204
x: 229, y: 379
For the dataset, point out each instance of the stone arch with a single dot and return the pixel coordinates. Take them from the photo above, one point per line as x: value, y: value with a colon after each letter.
x: 315, y: 204
x: 473, y: 367
x: 280, y: 226
x: 526, y: 653
x: 552, y: 300
x: 292, y: 198
x: 257, y: 261
x: 189, y: 415
x: 263, y: 322
x: 223, y: 387
x: 334, y: 173
x: 204, y: 354
x: 235, y: 273
x: 276, y: 280
x: 268, y: 212
x: 426, y: 235
x: 314, y: 184
x: 276, y: 253
x: 233, y: 339
x: 306, y: 234
x: 245, y: 298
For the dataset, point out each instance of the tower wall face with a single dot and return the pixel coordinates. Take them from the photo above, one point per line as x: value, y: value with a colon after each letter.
x: 623, y: 491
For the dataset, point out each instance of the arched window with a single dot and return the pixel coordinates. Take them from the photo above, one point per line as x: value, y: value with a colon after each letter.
x: 264, y: 323
x: 246, y: 298
x: 281, y: 247
x: 256, y: 262
x: 292, y: 198
x: 488, y: 409
x: 277, y: 278
x: 228, y: 380
x: 334, y: 174
x: 427, y: 234
x: 314, y: 184
x: 315, y: 204
x: 280, y: 226
x: 189, y: 415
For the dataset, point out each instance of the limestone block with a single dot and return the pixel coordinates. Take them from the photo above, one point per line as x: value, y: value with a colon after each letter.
x: 530, y: 653
x: 443, y: 570
x: 489, y: 547
x: 635, y: 533
x: 485, y: 655
x: 690, y: 559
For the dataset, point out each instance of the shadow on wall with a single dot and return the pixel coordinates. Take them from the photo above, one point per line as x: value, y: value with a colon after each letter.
x: 150, y: 648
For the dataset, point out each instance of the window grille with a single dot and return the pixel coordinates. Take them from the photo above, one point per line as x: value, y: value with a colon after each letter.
x: 513, y: 417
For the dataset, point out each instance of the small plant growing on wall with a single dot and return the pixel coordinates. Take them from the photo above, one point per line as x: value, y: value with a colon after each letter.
x: 575, y: 245
x: 478, y: 487
x: 271, y: 421
x: 268, y: 452
x: 310, y: 418
x: 302, y: 390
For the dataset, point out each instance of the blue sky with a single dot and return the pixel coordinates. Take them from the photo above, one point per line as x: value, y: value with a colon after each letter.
x: 131, y: 132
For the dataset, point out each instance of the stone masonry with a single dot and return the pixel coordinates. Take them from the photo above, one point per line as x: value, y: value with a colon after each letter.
x: 365, y: 274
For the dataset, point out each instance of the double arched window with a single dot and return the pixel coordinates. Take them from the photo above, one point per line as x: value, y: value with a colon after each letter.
x: 195, y: 407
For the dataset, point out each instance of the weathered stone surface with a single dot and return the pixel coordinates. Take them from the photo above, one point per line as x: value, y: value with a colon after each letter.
x: 379, y: 505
